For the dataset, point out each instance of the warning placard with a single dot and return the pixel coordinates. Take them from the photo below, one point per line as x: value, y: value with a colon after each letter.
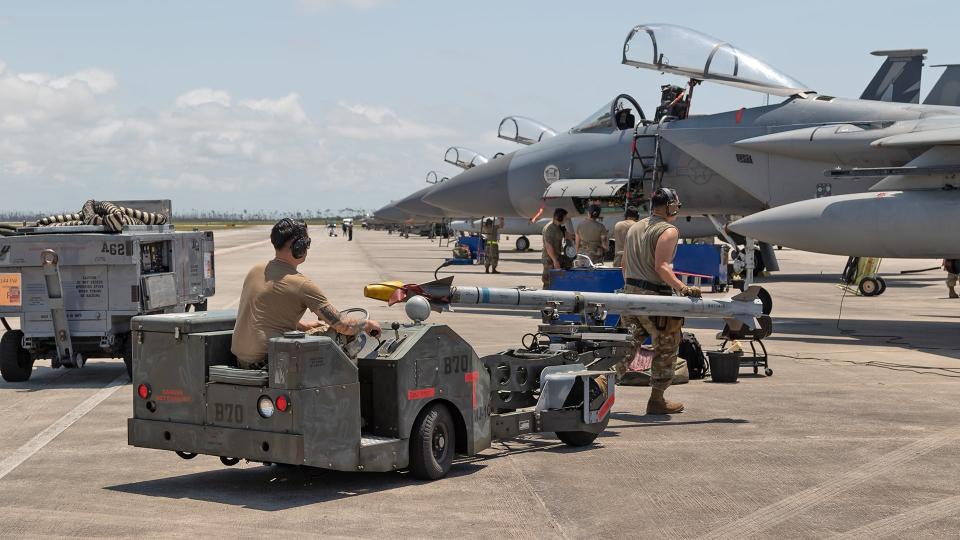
x: 10, y: 290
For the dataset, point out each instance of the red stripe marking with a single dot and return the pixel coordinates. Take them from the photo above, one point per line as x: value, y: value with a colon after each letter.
x: 602, y: 413
x: 421, y: 393
x: 739, y: 115
x: 472, y: 378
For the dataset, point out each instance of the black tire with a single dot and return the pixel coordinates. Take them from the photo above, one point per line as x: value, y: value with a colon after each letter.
x: 768, y: 372
x: 883, y: 285
x: 580, y: 438
x: 432, y: 443
x: 185, y: 455
x: 868, y: 286
x: 229, y: 461
x: 128, y: 356
x: 16, y: 365
x: 523, y: 243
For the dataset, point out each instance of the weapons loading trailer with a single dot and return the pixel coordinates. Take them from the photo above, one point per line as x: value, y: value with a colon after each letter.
x: 75, y: 288
x: 412, y: 400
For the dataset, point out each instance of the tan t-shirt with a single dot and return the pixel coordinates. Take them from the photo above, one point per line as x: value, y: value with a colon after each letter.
x: 591, y: 234
x: 620, y: 234
x: 552, y: 236
x: 274, y: 298
x: 640, y: 246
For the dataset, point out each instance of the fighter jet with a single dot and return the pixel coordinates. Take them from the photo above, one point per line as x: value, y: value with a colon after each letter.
x: 732, y: 163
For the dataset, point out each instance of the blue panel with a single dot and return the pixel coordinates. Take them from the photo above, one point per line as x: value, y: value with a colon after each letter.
x: 605, y: 280
x: 704, y: 259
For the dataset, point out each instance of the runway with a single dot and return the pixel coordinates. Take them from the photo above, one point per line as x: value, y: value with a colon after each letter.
x: 855, y: 434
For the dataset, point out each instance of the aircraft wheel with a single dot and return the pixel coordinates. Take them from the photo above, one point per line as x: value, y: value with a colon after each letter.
x: 868, y: 286
x: 186, y: 455
x: 523, y: 243
x: 883, y: 285
x: 229, y: 461
x: 432, y: 443
x: 580, y: 438
x: 16, y: 365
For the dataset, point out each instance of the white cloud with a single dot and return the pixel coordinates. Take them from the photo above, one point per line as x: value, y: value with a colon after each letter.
x: 366, y: 122
x: 202, y: 96
x: 63, y: 136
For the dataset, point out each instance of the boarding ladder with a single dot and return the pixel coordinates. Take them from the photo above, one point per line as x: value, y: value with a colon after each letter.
x: 649, y: 167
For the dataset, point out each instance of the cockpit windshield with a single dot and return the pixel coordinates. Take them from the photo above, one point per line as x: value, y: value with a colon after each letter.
x: 619, y: 113
x: 681, y: 51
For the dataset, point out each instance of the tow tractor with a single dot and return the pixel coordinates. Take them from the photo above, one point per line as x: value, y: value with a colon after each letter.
x: 410, y: 399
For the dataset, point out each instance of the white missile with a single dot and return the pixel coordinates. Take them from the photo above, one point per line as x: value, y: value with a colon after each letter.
x: 744, y: 308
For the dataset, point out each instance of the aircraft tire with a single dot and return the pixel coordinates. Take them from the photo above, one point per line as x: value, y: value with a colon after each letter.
x: 15, y: 362
x: 523, y: 243
x: 883, y: 285
x: 868, y: 286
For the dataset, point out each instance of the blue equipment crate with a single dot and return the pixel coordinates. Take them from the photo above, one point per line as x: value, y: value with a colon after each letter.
x: 606, y: 280
x: 473, y: 243
x: 703, y: 259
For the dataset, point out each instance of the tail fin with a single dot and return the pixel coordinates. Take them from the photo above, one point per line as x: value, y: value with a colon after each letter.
x: 947, y: 89
x: 898, y: 79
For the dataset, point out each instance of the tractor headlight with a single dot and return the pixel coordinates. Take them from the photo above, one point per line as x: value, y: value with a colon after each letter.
x: 265, y: 406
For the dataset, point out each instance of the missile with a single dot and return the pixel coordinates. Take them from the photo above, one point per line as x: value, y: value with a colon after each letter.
x: 743, y: 309
x: 898, y: 224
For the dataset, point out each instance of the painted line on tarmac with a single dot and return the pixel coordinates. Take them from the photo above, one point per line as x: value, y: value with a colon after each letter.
x: 896, y: 525
x: 760, y: 520
x: 43, y: 438
x: 235, y: 249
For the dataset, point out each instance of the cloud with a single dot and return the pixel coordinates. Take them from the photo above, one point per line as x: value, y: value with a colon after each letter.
x: 65, y: 138
x: 368, y: 122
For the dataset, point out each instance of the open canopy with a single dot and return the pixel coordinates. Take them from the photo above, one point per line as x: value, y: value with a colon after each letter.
x: 681, y: 51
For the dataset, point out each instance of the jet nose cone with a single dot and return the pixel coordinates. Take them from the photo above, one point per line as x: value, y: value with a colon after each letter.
x: 390, y: 213
x: 413, y: 204
x: 478, y: 191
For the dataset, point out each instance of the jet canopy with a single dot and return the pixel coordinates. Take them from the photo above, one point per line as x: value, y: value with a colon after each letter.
x: 464, y: 157
x: 617, y: 113
x: 523, y: 130
x: 681, y: 51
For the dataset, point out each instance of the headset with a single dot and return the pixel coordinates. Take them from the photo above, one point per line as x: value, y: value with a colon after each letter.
x: 301, y: 241
x: 669, y: 196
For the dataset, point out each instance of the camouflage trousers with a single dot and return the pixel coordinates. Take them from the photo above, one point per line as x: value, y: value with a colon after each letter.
x: 952, y: 279
x: 664, y: 332
x: 491, y: 255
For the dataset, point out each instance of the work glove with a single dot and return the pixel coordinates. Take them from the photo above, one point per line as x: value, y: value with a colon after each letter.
x: 691, y: 292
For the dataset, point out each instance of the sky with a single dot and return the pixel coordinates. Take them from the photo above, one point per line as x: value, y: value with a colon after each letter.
x: 326, y: 104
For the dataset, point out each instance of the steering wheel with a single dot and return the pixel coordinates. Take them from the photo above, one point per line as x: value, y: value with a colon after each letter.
x: 352, y: 345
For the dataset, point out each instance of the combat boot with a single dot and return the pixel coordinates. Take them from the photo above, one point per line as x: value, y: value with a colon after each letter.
x: 953, y: 292
x: 659, y: 405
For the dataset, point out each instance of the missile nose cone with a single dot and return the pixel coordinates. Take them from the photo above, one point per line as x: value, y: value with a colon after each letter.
x: 477, y: 191
x: 788, y: 225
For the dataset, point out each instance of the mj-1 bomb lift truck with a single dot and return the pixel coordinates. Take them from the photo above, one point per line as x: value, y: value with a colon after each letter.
x: 412, y: 398
x: 75, y: 288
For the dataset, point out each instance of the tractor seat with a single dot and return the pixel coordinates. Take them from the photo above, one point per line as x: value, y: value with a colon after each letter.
x: 240, y: 376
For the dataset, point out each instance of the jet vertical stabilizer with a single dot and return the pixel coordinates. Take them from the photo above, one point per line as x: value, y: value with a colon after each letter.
x: 947, y: 89
x: 898, y: 79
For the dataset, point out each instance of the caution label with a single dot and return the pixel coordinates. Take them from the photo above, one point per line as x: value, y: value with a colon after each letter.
x: 10, y: 290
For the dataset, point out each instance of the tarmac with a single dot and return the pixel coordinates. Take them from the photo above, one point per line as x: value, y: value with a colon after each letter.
x: 855, y: 435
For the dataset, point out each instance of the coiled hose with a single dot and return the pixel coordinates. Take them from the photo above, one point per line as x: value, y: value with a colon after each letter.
x: 104, y: 213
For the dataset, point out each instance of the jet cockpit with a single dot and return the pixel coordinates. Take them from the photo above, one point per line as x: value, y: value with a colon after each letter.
x: 617, y: 114
x: 464, y: 157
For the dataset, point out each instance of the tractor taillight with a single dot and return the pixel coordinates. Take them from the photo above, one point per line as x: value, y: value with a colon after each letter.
x: 143, y: 391
x: 282, y: 403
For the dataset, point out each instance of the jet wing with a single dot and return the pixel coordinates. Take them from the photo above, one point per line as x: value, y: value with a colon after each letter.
x: 588, y: 188
x: 936, y: 168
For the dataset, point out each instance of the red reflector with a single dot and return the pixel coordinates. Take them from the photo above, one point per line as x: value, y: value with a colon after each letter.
x: 282, y: 403
x: 143, y: 391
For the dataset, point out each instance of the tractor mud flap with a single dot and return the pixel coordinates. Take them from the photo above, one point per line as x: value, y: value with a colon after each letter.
x: 216, y: 441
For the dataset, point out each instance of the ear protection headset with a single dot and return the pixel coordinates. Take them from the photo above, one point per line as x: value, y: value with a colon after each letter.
x: 671, y: 198
x: 301, y: 242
